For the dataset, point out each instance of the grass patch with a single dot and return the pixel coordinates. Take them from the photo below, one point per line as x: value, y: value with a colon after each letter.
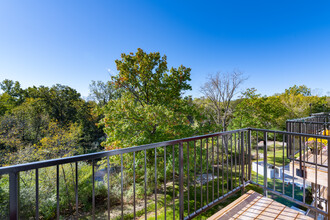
x: 279, y: 160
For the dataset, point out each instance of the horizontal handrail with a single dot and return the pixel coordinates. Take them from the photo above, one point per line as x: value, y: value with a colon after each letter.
x: 291, y: 133
x: 314, y: 116
x: 308, y: 122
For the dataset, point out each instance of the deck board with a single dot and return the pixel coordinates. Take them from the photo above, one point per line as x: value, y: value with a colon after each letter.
x: 252, y: 205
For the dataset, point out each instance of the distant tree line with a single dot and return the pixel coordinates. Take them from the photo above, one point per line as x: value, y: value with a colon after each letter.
x: 42, y: 123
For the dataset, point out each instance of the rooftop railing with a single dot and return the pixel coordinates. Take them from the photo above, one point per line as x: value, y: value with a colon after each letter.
x: 185, y: 178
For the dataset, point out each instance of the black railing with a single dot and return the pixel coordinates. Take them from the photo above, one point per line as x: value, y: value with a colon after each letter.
x: 206, y: 169
x: 314, y: 124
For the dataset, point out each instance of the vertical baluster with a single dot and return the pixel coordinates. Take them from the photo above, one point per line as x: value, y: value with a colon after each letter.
x: 188, y: 177
x: 293, y: 169
x: 165, y: 203
x: 76, y: 190
x: 212, y: 170
x: 303, y: 171
x: 243, y: 161
x: 173, y: 161
x: 145, y: 184
x: 328, y: 196
x: 195, y: 174
x: 218, y: 161
x: 57, y: 192
x: 246, y: 156
x: 93, y: 193
x: 108, y: 183
x: 257, y: 158
x: 155, y: 183
x: 207, y: 171
x: 201, y: 179
x: 283, y: 165
x: 134, y: 208
x: 222, y: 170
x: 239, y: 152
x: 265, y: 163
x: 122, y: 185
x: 288, y: 145
x: 274, y: 173
x: 37, y: 193
x: 300, y: 151
x: 13, y: 195
x: 249, y: 151
x: 227, y: 166
x: 181, y: 208
x: 316, y: 186
x: 235, y: 183
x: 231, y: 161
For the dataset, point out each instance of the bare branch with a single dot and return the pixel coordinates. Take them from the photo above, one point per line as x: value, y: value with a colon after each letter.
x: 220, y: 89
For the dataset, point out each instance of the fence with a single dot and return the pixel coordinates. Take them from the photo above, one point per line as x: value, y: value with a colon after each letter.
x: 314, y: 124
x: 186, y: 177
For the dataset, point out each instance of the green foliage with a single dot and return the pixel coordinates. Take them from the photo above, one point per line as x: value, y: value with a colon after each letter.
x: 11, y: 97
x: 321, y: 104
x: 34, y: 125
x: 103, y: 92
x: 60, y: 101
x: 7, y: 103
x: 58, y: 142
x: 128, y: 123
x: 13, y: 89
x: 259, y: 112
x: 272, y: 112
x: 151, y: 108
x: 298, y: 90
x: 298, y: 103
x: 146, y: 78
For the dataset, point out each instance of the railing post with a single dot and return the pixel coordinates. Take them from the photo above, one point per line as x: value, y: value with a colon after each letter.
x: 243, y: 162
x: 181, y: 181
x: 249, y: 151
x: 265, y: 164
x: 13, y: 195
x: 288, y: 145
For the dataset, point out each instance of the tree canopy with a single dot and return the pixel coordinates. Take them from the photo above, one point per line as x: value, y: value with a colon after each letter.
x: 151, y: 107
x: 146, y: 77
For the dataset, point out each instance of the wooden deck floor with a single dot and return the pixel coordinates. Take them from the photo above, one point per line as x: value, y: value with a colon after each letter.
x: 252, y: 205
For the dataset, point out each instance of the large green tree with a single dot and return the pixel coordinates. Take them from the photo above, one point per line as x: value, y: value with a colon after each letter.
x: 151, y: 107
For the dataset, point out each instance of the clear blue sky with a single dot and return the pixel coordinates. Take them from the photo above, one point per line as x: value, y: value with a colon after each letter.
x: 276, y: 43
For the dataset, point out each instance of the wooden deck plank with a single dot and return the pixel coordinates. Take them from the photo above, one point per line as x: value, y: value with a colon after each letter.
x: 232, y: 205
x: 255, y: 209
x: 288, y: 214
x: 252, y: 206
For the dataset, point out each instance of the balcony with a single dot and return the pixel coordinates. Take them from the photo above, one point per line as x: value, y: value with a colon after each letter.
x: 182, y: 179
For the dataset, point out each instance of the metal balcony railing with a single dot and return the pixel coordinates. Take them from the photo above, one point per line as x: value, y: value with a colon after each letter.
x: 207, y: 169
x: 314, y: 124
